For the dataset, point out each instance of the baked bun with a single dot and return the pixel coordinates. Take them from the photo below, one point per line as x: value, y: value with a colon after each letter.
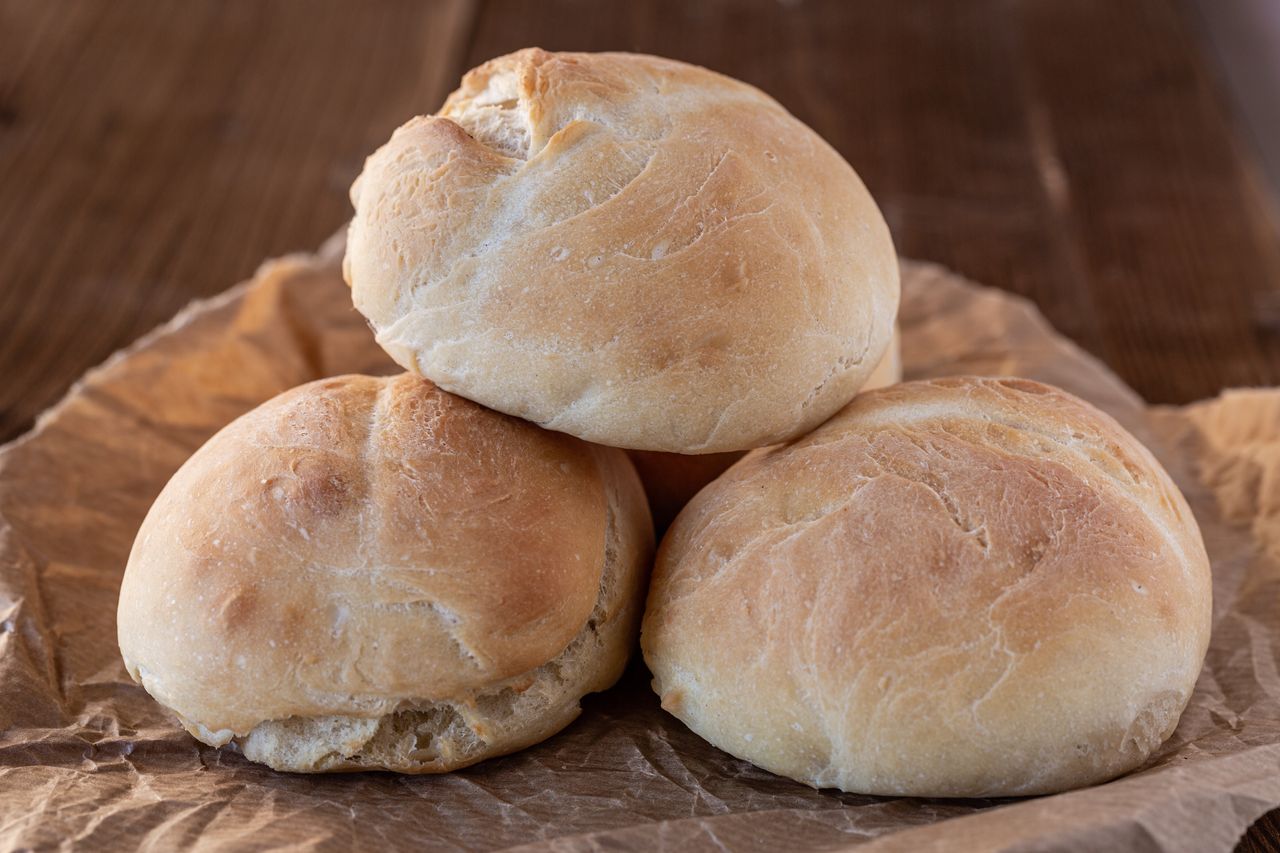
x: 672, y: 479
x: 638, y: 252
x: 374, y: 574
x: 956, y: 588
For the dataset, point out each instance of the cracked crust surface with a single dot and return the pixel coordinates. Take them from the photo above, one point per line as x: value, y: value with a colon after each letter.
x: 632, y: 250
x: 373, y: 573
x: 962, y: 587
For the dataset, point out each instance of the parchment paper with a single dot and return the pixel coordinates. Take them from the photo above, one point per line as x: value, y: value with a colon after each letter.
x: 86, y: 757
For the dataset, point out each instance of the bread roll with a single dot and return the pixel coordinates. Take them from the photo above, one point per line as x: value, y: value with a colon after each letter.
x: 374, y: 574
x: 638, y: 252
x: 672, y: 479
x: 956, y: 588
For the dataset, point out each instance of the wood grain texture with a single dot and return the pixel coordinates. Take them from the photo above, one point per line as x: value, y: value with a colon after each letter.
x: 1077, y: 152
x: 1243, y: 37
x: 1263, y: 836
x: 151, y: 153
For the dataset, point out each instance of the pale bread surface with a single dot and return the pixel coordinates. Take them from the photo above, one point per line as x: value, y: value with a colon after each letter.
x: 633, y: 250
x: 962, y: 587
x: 374, y: 573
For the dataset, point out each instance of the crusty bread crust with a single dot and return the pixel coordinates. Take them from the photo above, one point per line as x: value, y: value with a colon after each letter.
x: 636, y: 251
x: 373, y: 573
x: 963, y: 587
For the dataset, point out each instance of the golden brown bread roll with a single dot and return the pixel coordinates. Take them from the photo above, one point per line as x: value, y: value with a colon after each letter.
x: 636, y: 251
x: 672, y: 479
x: 373, y: 573
x: 963, y: 587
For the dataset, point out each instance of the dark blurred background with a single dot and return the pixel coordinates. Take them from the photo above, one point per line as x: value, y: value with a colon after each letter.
x: 1116, y: 162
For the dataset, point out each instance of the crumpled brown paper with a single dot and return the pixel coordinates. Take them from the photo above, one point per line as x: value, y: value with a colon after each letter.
x: 87, y: 756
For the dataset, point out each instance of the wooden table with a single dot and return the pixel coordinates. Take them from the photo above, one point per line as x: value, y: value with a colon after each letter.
x: 1079, y: 152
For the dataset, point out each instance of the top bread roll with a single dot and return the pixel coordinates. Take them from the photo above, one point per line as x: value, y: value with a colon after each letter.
x: 638, y: 252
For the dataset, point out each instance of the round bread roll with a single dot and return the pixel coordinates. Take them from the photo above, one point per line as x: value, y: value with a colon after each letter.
x: 638, y: 252
x: 956, y: 588
x: 672, y: 479
x: 374, y: 574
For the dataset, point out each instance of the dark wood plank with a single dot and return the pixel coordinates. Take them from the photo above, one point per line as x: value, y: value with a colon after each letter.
x: 151, y: 153
x: 1179, y: 249
x: 1243, y: 37
x: 1263, y: 836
